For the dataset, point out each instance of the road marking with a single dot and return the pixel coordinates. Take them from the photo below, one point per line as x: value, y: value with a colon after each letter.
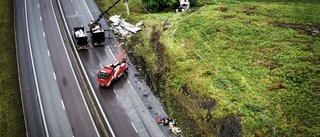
x: 76, y: 12
x: 54, y: 75
x: 133, y: 89
x: 89, y: 112
x: 100, y: 65
x: 38, y: 6
x: 34, y: 70
x: 62, y: 104
x: 90, y: 45
x: 48, y: 53
x: 115, y: 93
x: 71, y: 1
x: 88, y: 9
x: 40, y: 18
x: 44, y: 35
x: 134, y: 127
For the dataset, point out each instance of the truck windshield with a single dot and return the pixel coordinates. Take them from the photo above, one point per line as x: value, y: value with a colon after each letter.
x: 103, y: 75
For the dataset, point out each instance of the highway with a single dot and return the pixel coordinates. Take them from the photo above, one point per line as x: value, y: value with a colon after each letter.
x: 49, y: 76
x: 59, y: 87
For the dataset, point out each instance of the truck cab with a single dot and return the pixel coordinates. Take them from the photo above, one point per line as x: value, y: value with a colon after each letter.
x: 108, y: 74
x: 81, y: 38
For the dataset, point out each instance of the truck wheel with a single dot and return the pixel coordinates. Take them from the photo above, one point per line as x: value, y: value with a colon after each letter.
x: 126, y: 71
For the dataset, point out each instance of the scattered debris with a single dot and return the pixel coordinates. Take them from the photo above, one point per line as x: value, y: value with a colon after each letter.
x: 175, y: 130
x: 139, y: 24
x: 122, y: 27
x: 167, y: 121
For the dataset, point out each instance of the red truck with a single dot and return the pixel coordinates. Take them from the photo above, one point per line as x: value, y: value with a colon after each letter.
x: 108, y: 74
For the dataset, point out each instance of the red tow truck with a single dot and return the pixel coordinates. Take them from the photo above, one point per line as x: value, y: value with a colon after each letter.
x: 110, y: 73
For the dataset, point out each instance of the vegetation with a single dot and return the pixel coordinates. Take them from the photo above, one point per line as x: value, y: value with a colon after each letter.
x: 248, y: 69
x: 11, y: 115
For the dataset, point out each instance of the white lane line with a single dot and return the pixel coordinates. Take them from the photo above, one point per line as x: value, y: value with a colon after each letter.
x: 44, y: 35
x: 90, y: 45
x: 71, y: 1
x: 88, y: 9
x: 115, y: 93
x: 62, y: 104
x: 76, y: 12
x: 48, y: 53
x: 40, y: 18
x: 38, y: 6
x: 54, y: 75
x: 134, y: 127
x: 34, y: 70
x: 100, y: 65
x: 74, y: 75
x: 134, y: 89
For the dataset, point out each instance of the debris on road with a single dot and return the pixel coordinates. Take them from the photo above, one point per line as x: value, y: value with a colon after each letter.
x: 175, y: 130
x: 168, y: 121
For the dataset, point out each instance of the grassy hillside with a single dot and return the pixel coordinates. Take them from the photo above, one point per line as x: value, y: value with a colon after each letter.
x: 251, y: 69
x: 11, y: 115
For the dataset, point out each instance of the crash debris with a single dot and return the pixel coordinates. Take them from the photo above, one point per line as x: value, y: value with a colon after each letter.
x: 120, y: 26
x: 168, y: 121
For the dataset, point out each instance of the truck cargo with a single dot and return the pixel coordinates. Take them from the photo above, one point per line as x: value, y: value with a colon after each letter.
x: 97, y: 34
x: 81, y: 38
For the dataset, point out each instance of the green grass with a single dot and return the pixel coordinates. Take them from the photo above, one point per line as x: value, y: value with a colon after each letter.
x: 11, y: 115
x: 266, y: 75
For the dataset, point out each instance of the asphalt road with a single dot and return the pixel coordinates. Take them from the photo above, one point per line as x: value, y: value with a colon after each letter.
x: 33, y: 118
x: 79, y: 115
x: 125, y: 105
x: 45, y: 72
x: 54, y: 102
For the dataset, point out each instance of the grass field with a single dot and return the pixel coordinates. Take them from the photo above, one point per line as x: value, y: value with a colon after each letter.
x: 230, y: 72
x: 11, y: 115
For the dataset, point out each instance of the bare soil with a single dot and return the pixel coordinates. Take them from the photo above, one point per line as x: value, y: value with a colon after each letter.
x: 311, y: 30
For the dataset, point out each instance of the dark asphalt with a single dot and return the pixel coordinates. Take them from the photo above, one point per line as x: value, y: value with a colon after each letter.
x: 121, y: 104
x: 79, y: 115
x: 34, y: 124
x: 124, y: 105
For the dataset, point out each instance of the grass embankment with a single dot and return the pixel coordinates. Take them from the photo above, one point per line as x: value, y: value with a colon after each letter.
x: 11, y: 115
x: 259, y: 68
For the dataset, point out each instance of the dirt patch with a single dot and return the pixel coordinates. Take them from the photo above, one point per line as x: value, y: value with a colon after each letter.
x: 277, y: 86
x: 159, y: 50
x: 311, y: 30
x: 209, y: 104
x: 230, y: 127
x: 204, y: 102
x: 227, y: 16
